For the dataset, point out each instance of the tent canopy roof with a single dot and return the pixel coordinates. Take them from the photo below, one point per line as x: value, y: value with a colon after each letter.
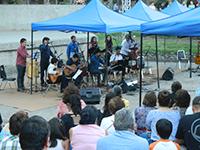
x: 184, y: 24
x: 141, y: 11
x: 94, y: 17
x: 175, y: 8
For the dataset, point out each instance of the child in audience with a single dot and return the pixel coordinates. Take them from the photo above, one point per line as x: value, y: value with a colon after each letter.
x: 174, y: 88
x: 164, y: 129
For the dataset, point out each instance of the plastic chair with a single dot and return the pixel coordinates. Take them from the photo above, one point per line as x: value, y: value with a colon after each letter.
x: 4, y: 78
x: 181, y: 57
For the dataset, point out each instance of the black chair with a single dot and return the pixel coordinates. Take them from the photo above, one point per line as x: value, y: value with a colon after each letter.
x: 4, y: 79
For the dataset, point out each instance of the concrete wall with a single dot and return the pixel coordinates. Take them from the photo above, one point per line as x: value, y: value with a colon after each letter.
x: 20, y: 17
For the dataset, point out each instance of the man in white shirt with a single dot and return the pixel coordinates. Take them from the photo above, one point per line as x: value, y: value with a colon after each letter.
x: 127, y: 43
x: 54, y: 74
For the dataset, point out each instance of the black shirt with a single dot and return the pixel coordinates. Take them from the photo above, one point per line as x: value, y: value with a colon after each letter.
x: 189, y: 131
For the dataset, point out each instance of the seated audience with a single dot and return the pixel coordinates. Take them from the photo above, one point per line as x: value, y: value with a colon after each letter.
x: 58, y: 139
x: 164, y: 129
x: 124, y: 138
x: 149, y: 103
x: 182, y: 101
x: 117, y: 90
x: 15, y: 125
x: 62, y: 107
x: 188, y: 132
x: 35, y: 133
x: 174, y: 87
x: 85, y: 135
x: 163, y: 112
x: 106, y: 112
x: 114, y: 105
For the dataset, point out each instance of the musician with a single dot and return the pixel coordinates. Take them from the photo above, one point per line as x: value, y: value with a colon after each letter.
x: 97, y: 65
x: 53, y: 70
x: 93, y: 46
x: 109, y: 46
x: 22, y: 54
x: 127, y: 43
x: 116, y: 60
x: 45, y: 52
x: 72, y: 48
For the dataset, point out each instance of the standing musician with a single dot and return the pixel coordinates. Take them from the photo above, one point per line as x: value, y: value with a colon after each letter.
x: 72, y: 66
x: 44, y: 60
x: 54, y: 73
x: 72, y: 48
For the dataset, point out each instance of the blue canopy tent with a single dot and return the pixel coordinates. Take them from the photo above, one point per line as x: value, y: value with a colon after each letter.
x: 94, y: 17
x: 175, y: 8
x: 184, y: 24
x: 141, y: 11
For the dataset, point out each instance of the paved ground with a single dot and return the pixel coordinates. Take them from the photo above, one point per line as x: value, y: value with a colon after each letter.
x: 8, y: 108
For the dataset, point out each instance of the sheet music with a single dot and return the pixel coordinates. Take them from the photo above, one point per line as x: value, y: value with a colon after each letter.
x: 77, y: 74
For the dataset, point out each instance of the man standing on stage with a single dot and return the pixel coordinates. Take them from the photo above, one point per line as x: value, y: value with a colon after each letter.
x: 72, y: 48
x: 22, y: 54
x: 44, y: 59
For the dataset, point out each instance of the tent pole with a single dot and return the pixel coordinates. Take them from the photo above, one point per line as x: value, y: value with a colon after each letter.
x: 88, y: 36
x: 31, y: 88
x: 190, y: 57
x: 157, y: 67
x: 106, y: 76
x: 140, y: 78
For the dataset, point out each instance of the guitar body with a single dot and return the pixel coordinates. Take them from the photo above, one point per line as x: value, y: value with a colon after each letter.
x: 53, y: 77
x: 69, y: 70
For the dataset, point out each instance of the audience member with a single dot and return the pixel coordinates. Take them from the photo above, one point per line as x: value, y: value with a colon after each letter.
x: 163, y: 112
x: 117, y: 90
x: 188, y: 132
x: 58, y: 138
x: 149, y: 103
x: 86, y: 135
x: 114, y: 105
x: 15, y: 125
x: 106, y: 112
x: 35, y: 133
x: 182, y: 101
x: 124, y: 137
x: 174, y: 87
x: 164, y: 129
x: 62, y: 107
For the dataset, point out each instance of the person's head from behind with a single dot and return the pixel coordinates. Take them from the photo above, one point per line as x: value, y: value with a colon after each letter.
x: 123, y: 120
x: 88, y: 115
x: 196, y: 104
x: 23, y: 42
x: 115, y: 104
x: 67, y: 122
x: 45, y: 40
x: 71, y: 89
x: 182, y: 98
x: 16, y: 121
x: 117, y: 90
x: 73, y: 38
x: 164, y: 98
x: 34, y: 134
x: 54, y: 60
x: 73, y: 102
x: 150, y: 99
x: 164, y: 128
x: 108, y: 97
x: 1, y: 122
x: 176, y: 86
x: 57, y: 131
x: 75, y: 58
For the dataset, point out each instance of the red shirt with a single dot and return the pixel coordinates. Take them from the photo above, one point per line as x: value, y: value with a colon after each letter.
x: 21, y: 56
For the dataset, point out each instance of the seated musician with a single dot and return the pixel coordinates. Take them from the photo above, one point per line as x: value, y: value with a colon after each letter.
x: 116, y: 60
x: 70, y: 70
x: 97, y: 65
x: 54, y: 73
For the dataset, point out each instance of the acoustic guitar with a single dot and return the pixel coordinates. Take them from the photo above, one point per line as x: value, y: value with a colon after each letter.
x: 69, y: 70
x: 54, y: 77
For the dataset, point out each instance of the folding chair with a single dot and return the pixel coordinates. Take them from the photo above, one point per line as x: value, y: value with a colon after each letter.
x: 4, y: 79
x: 181, y: 57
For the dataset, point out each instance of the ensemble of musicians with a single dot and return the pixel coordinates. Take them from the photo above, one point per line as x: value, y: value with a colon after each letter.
x: 100, y: 62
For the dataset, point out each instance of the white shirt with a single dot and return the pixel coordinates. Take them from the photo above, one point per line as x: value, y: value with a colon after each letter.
x: 126, y: 45
x: 115, y: 57
x: 107, y: 124
x: 51, y: 69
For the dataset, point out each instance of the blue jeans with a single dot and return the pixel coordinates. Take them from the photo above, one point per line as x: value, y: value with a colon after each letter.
x: 20, y: 76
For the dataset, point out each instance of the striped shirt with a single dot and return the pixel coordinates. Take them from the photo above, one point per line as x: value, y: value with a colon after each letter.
x: 10, y: 143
